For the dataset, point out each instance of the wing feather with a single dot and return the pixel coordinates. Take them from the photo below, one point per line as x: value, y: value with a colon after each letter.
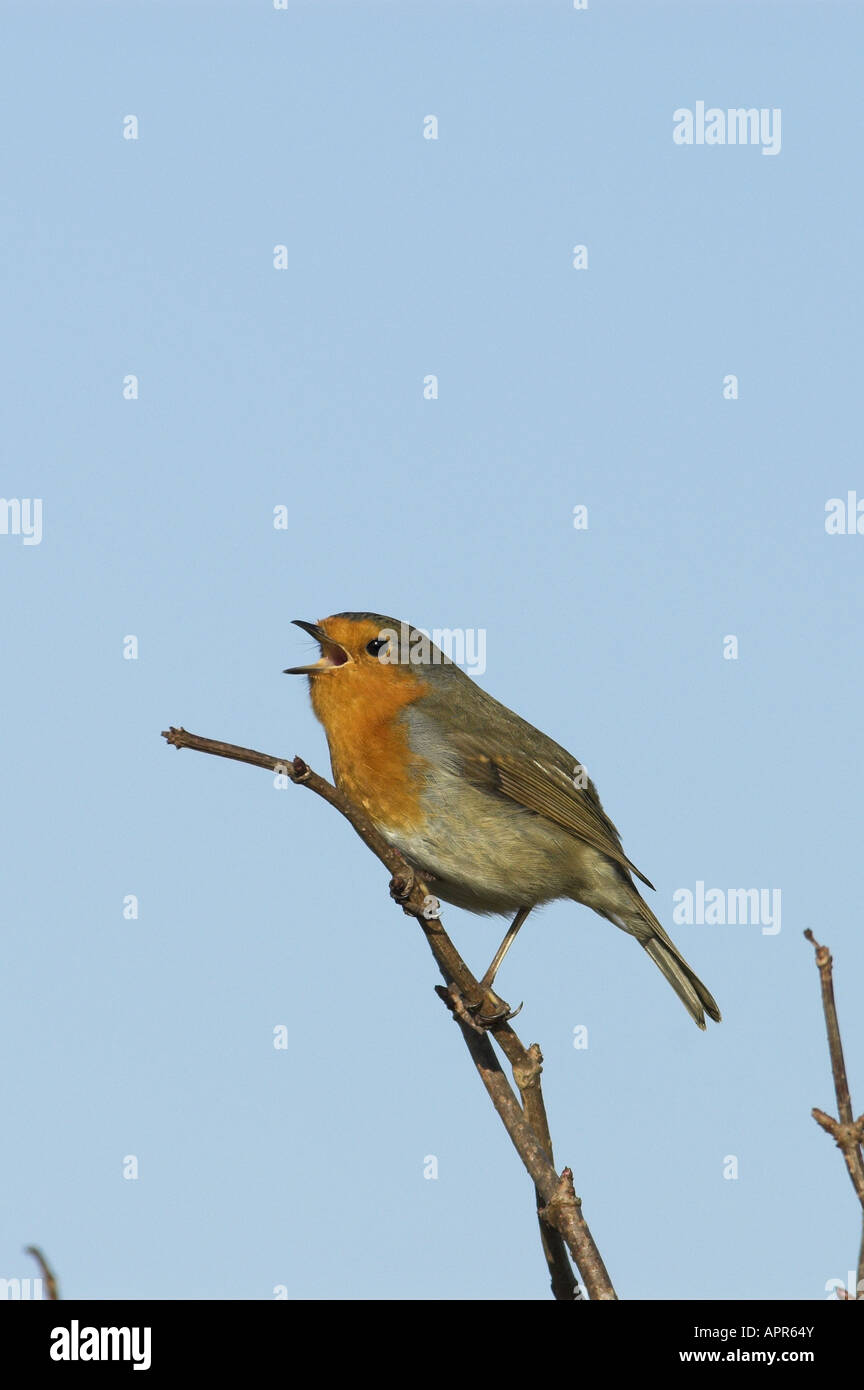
x: 543, y: 787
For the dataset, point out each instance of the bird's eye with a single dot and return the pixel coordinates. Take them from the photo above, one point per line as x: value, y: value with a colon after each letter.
x: 374, y: 647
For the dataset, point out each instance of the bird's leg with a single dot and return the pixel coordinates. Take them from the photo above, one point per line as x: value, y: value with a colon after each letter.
x: 489, y: 978
x: 490, y: 1008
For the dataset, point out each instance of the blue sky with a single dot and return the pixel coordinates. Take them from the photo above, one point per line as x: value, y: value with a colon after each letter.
x: 303, y: 388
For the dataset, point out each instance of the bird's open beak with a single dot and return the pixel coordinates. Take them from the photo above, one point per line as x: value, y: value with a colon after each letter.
x: 332, y: 654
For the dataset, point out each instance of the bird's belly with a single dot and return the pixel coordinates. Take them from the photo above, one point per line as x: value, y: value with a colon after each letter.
x: 488, y: 856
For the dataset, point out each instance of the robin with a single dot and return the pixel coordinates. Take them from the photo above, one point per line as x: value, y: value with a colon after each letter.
x: 501, y: 816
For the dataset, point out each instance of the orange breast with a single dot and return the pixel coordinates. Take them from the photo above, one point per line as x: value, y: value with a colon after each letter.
x: 373, y: 763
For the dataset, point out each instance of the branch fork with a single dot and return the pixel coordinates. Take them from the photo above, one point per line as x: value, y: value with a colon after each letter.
x: 847, y: 1133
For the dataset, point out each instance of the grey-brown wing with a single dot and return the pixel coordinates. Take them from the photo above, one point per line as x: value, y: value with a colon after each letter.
x: 540, y: 785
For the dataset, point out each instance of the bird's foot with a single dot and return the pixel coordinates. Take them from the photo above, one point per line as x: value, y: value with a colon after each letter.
x: 488, y: 1008
x: 483, y: 1011
x: 402, y: 885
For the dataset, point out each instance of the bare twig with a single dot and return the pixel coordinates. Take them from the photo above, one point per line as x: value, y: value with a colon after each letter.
x: 560, y: 1209
x: 527, y: 1078
x: 847, y: 1133
x: 48, y: 1274
x: 561, y: 1219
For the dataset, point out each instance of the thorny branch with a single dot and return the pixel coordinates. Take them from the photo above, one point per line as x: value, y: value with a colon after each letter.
x: 847, y: 1133
x: 563, y: 1227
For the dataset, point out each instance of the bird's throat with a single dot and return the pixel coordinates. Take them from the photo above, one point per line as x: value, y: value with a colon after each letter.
x: 373, y: 762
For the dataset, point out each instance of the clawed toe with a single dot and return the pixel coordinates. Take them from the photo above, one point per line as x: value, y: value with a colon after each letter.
x: 490, y: 1009
x: 402, y: 886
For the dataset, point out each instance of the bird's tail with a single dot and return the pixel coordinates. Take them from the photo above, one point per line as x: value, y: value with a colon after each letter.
x: 696, y: 999
x: 683, y: 979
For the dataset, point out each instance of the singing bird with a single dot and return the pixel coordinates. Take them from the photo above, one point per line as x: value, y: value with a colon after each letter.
x: 501, y: 816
